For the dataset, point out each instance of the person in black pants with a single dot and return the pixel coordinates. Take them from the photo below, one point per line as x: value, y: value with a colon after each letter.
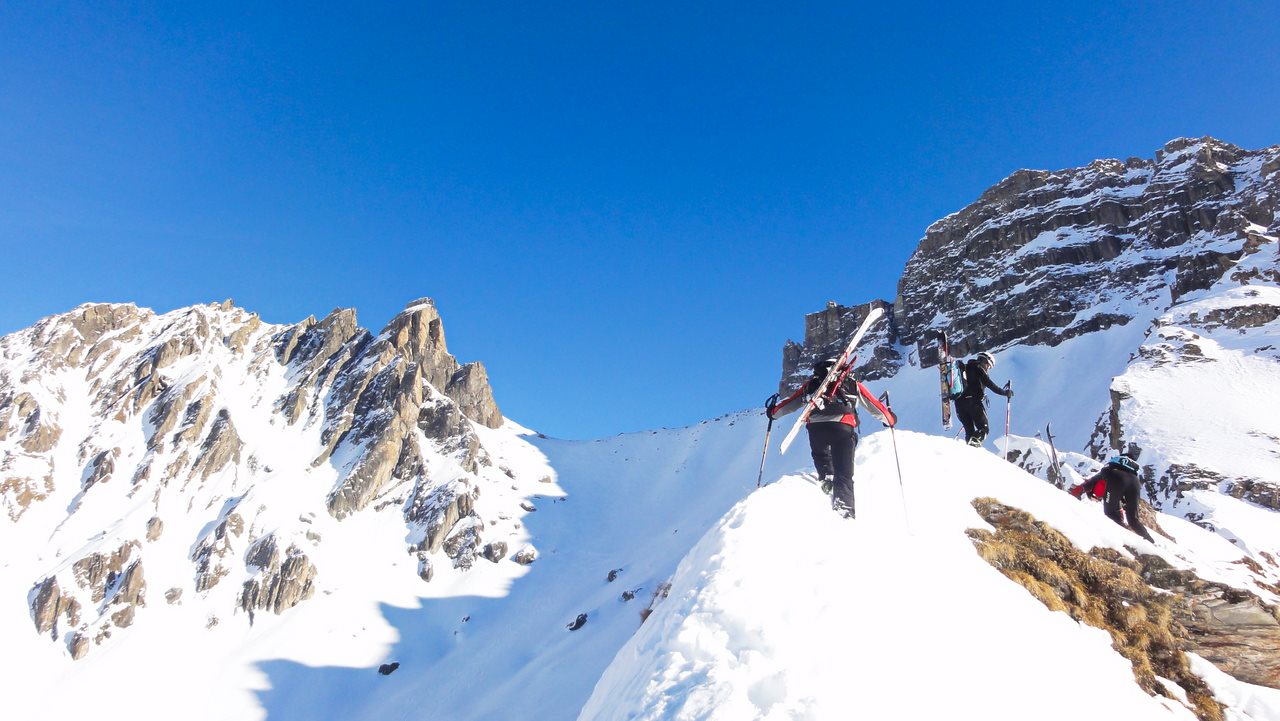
x: 969, y: 406
x: 832, y: 427
x: 1118, y: 486
x: 1123, y: 489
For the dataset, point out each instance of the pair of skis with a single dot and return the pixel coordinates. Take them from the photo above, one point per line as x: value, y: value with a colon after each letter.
x: 946, y: 378
x: 837, y: 371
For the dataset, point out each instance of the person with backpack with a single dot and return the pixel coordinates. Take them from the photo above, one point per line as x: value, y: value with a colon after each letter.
x: 1118, y: 486
x: 970, y: 403
x: 832, y: 427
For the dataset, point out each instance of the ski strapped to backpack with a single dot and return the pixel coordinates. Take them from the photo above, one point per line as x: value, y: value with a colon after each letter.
x: 950, y: 378
x: 836, y: 371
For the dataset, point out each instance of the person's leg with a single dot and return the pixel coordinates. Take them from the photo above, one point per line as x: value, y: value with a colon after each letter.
x: 1131, y: 493
x: 1111, y: 502
x: 844, y: 442
x: 964, y: 411
x: 820, y: 447
x: 979, y: 419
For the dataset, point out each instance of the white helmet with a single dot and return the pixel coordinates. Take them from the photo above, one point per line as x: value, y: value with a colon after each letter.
x: 987, y: 360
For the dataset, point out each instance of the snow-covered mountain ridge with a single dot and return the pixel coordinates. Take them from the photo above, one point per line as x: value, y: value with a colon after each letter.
x: 201, y: 457
x: 244, y: 520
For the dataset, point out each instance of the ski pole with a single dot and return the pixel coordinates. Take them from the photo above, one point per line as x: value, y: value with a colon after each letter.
x: 1008, y: 405
x: 894, y: 437
x: 768, y: 406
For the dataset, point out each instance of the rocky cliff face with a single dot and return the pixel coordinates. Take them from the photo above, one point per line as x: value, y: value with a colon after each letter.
x: 139, y: 439
x: 1042, y: 257
x: 828, y: 331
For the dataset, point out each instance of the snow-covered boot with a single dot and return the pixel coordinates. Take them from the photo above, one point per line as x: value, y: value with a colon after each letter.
x: 844, y: 510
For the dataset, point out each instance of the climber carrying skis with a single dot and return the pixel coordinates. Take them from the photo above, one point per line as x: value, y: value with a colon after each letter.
x: 1117, y: 483
x: 969, y: 406
x: 832, y: 427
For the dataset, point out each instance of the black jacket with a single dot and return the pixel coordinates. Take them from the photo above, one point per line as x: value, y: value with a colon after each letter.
x: 975, y: 377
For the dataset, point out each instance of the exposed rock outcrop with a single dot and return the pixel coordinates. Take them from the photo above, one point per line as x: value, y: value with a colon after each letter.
x: 221, y: 447
x: 212, y: 552
x: 1231, y: 627
x: 49, y: 603
x: 1102, y: 589
x: 284, y: 579
x: 101, y: 467
x: 495, y: 551
x: 463, y: 543
x: 407, y: 383
x: 1153, y: 611
x: 99, y: 573
x: 436, y: 511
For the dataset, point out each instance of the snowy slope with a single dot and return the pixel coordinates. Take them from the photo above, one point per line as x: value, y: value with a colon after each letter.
x: 633, y: 503
x: 785, y: 611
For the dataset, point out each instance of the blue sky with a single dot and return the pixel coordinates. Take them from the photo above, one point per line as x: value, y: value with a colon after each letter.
x: 622, y: 209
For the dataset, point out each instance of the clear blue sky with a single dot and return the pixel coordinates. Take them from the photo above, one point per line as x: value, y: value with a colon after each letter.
x: 622, y: 209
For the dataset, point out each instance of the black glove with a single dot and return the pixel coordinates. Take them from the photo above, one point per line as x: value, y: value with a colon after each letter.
x: 1008, y: 390
x: 771, y: 405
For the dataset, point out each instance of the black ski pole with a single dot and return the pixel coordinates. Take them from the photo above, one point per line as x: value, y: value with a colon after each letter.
x: 884, y: 397
x: 768, y: 408
x: 1008, y: 405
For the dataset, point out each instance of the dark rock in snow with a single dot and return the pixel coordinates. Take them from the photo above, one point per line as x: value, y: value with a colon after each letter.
x: 495, y: 551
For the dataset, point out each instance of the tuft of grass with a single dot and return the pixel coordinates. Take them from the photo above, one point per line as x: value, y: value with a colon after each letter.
x: 1103, y: 589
